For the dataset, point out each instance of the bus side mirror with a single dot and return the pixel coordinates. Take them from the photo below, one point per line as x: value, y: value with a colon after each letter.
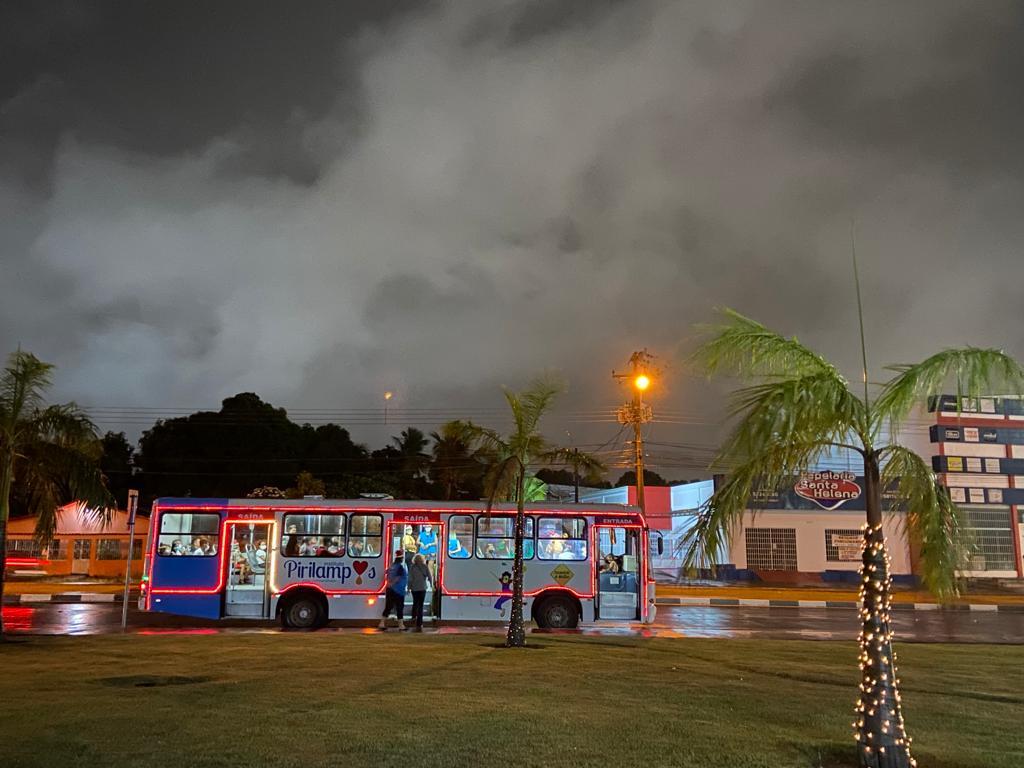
x: 661, y: 545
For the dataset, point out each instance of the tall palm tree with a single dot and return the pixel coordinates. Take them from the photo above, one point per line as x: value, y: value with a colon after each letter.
x: 800, y: 408
x: 51, y: 452
x: 509, y: 460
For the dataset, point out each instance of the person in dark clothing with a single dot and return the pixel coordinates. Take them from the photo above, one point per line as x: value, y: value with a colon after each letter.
x: 394, y: 593
x: 419, y: 578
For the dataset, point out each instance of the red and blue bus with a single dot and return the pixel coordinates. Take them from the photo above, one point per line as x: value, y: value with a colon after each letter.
x: 307, y: 562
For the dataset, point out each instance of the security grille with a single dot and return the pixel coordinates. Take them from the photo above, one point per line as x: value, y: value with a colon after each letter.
x: 771, y: 549
x: 992, y: 538
x: 843, y: 545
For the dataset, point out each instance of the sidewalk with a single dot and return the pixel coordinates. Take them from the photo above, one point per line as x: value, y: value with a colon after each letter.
x: 814, y: 597
x: 28, y: 592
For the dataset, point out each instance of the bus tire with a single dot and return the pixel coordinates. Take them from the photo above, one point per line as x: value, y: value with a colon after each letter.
x: 304, y: 611
x: 557, y: 612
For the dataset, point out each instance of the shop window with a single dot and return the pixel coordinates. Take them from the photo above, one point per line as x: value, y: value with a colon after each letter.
x: 771, y: 549
x: 991, y: 535
x: 843, y: 545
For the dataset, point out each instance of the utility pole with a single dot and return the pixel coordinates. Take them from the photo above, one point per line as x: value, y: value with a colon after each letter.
x: 637, y: 413
x: 133, y: 508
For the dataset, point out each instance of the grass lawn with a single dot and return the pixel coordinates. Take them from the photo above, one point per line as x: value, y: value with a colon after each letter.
x: 338, y: 699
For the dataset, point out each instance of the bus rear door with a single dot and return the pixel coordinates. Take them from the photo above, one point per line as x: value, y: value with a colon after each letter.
x: 248, y: 563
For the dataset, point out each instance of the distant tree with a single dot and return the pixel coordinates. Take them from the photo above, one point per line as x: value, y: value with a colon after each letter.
x: 116, y: 464
x: 266, y: 492
x: 52, y: 452
x: 412, y: 461
x: 650, y: 478
x: 305, y: 485
x: 456, y: 467
x: 245, y: 445
x: 555, y: 476
x: 798, y: 408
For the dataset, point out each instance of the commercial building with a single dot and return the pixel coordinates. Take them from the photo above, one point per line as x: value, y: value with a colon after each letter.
x: 84, y: 545
x: 811, y: 531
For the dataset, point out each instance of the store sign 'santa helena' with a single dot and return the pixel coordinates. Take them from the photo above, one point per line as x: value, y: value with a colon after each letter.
x: 829, y: 490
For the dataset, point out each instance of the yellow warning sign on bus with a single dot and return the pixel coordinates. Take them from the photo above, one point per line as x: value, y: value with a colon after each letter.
x: 562, y: 574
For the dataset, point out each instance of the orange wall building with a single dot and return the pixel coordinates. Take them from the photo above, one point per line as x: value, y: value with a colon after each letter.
x: 83, y: 544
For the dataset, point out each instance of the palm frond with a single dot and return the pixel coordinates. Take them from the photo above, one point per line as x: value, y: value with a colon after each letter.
x: 971, y: 371
x: 22, y: 384
x: 744, y: 348
x: 776, y: 466
x: 816, y: 409
x: 530, y: 405
x: 933, y: 521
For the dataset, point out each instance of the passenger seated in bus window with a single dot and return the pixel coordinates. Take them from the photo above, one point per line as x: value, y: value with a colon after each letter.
x: 486, y: 550
x: 177, y: 548
x: 609, y: 564
x: 355, y: 548
x: 333, y: 548
x: 372, y: 548
x: 291, y: 547
x: 164, y: 549
x: 455, y: 548
x: 308, y: 548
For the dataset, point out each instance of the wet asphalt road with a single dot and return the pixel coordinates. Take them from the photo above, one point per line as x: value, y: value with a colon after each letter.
x: 682, y: 621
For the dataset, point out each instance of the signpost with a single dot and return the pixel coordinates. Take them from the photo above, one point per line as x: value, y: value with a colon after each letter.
x: 133, y: 507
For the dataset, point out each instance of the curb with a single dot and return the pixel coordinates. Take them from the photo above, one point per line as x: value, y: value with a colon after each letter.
x: 735, y: 602
x: 64, y: 597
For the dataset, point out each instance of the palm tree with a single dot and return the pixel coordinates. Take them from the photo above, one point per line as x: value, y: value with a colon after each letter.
x: 453, y: 459
x: 509, y: 459
x: 51, y: 452
x: 800, y: 408
x: 409, y: 449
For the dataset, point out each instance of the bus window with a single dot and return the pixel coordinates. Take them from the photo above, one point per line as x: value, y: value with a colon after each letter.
x: 184, y: 533
x: 313, y: 535
x: 562, y: 538
x: 364, y: 535
x: 495, y: 538
x: 460, y: 536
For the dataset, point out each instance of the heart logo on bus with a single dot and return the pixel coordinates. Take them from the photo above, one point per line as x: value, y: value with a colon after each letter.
x: 360, y: 566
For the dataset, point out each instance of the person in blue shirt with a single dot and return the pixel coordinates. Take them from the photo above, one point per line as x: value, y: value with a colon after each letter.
x: 427, y: 542
x: 394, y: 593
x: 455, y: 548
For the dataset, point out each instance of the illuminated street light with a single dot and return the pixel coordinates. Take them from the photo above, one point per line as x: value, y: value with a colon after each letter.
x: 641, y: 382
x: 387, y: 396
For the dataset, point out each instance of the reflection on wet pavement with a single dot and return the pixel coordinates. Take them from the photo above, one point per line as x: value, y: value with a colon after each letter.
x: 673, y: 622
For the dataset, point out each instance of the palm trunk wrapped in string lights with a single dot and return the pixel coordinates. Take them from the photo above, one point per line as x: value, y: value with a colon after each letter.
x: 881, y: 737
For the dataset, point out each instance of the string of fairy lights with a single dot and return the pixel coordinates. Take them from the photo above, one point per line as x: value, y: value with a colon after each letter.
x: 879, y: 729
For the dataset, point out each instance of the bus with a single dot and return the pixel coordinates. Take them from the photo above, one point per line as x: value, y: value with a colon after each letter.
x: 307, y: 562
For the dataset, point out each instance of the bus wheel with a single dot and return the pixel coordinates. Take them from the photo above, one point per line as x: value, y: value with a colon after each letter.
x: 304, y: 612
x: 558, y: 613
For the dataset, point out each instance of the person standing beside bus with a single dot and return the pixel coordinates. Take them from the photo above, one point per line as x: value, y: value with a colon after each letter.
x: 419, y: 577
x: 394, y: 593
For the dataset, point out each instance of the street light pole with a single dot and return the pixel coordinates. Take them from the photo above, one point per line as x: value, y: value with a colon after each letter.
x: 637, y: 413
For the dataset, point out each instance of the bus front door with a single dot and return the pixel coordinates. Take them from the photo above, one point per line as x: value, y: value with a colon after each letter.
x: 245, y: 593
x: 618, y: 576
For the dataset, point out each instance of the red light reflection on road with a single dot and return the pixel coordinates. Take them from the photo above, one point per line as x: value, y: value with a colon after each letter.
x: 18, y: 618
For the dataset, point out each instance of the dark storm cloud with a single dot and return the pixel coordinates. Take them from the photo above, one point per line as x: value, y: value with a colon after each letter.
x: 322, y: 202
x: 954, y: 101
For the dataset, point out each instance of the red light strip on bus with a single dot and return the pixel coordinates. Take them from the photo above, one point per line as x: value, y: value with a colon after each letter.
x: 25, y: 561
x: 222, y: 572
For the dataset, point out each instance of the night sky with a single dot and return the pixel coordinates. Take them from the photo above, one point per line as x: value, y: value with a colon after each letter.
x: 320, y: 201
